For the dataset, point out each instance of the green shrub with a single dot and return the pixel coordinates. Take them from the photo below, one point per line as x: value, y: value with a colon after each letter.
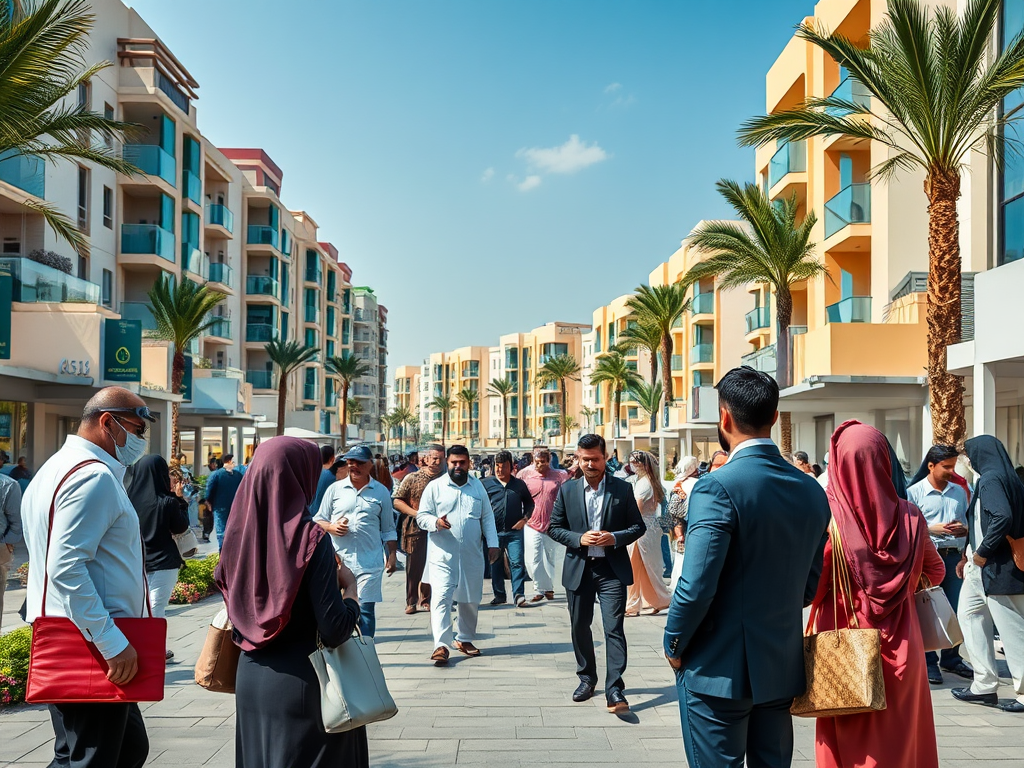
x: 14, y: 652
x: 195, y: 580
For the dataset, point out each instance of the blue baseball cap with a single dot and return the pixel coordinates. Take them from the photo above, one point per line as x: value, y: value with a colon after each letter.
x: 359, y: 453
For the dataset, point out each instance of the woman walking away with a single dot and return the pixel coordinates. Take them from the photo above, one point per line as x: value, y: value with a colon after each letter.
x: 162, y: 512
x: 887, y: 548
x: 281, y: 586
x: 679, y: 501
x: 648, y: 589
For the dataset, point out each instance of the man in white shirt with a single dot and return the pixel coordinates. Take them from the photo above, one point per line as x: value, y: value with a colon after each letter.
x: 456, y: 513
x: 10, y: 528
x: 95, y: 569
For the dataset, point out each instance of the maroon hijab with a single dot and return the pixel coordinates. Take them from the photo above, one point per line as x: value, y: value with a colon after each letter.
x: 270, y: 539
x: 881, y: 533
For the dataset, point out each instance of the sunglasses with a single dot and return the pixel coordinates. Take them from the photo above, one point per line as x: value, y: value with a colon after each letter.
x: 141, y: 411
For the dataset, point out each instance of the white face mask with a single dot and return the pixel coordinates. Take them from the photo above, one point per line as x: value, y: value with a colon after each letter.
x: 134, y: 447
x: 965, y: 470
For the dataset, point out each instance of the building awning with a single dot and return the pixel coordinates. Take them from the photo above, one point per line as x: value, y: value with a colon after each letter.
x: 831, y: 394
x: 306, y: 434
x: 31, y: 385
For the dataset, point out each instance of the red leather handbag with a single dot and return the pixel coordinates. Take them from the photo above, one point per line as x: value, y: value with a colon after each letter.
x: 65, y: 668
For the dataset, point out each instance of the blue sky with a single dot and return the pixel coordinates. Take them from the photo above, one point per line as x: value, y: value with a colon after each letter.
x: 487, y: 166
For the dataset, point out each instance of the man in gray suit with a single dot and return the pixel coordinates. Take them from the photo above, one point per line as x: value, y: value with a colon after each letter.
x: 754, y: 548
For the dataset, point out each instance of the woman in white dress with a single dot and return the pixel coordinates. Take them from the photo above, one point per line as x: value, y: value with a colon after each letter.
x: 678, y: 503
x: 648, y: 589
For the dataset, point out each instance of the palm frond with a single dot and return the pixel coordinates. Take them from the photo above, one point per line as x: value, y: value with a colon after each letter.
x: 182, y: 310
x: 289, y: 355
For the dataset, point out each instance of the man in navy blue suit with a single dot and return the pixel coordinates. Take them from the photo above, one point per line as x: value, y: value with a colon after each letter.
x: 754, y: 547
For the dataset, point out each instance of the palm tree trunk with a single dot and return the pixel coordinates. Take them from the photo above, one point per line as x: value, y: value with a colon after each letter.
x: 344, y: 416
x: 786, y: 430
x: 783, y: 366
x: 282, y: 394
x: 945, y: 391
x: 504, y: 422
x: 618, y: 408
x: 666, y: 373
x: 177, y: 376
x: 565, y: 430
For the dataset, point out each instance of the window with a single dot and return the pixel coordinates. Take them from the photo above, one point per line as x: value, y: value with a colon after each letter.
x: 83, y: 198
x: 108, y: 288
x: 108, y: 113
x: 83, y: 268
x: 1011, y: 176
x: 108, y: 208
x: 85, y: 94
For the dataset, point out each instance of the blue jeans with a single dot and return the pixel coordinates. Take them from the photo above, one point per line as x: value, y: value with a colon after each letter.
x: 666, y: 555
x: 220, y: 521
x: 511, y: 542
x: 951, y: 585
x: 367, y: 619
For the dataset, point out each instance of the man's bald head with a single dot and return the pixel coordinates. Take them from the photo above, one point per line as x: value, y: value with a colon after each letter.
x: 110, y: 398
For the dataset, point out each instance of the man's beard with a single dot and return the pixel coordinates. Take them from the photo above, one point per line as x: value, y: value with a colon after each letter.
x: 723, y: 440
x: 458, y: 475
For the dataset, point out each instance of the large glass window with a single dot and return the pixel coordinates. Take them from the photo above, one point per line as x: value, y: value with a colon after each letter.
x: 1011, y: 176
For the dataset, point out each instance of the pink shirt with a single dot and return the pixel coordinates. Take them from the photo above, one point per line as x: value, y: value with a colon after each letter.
x: 544, y: 489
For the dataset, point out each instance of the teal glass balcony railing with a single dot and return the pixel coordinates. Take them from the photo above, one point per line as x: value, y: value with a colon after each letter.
x: 677, y: 362
x: 763, y: 360
x: 26, y: 173
x: 262, y: 285
x: 791, y: 157
x: 309, y: 391
x: 314, y: 275
x: 260, y: 379
x: 312, y: 314
x: 260, y: 234
x: 220, y: 273
x: 259, y: 332
x: 191, y: 259
x: 759, y: 317
x: 855, y: 309
x: 851, y: 206
x: 703, y: 304
x: 702, y: 353
x: 850, y: 90
x: 221, y: 328
x: 346, y: 337
x: 152, y: 160
x: 192, y: 186
x: 36, y: 283
x: 147, y: 239
x: 221, y: 216
x: 331, y: 400
x: 138, y: 310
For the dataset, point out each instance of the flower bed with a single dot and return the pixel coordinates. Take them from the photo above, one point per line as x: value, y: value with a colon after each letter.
x: 14, y: 651
x: 195, y: 581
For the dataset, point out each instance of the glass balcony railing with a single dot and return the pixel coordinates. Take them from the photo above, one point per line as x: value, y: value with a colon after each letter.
x: 147, y: 239
x: 152, y: 160
x: 221, y: 328
x: 763, y: 360
x: 314, y: 275
x: 191, y: 259
x: 260, y: 234
x: 791, y: 157
x: 850, y: 90
x: 26, y: 173
x: 309, y: 391
x: 260, y: 379
x: 192, y: 186
x: 331, y: 400
x: 703, y: 304
x: 219, y: 215
x: 851, y: 206
x: 677, y: 362
x: 138, y: 310
x: 702, y: 353
x: 757, y: 318
x: 36, y: 283
x: 220, y: 273
x: 312, y: 314
x: 262, y: 285
x: 259, y: 332
x: 855, y: 309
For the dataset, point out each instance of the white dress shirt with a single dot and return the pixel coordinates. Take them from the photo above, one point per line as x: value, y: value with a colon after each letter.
x: 594, y: 499
x: 95, y: 564
x: 748, y: 444
x: 946, y: 506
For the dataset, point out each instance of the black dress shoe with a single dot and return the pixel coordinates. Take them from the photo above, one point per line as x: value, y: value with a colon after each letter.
x: 498, y: 601
x: 617, y: 702
x: 962, y: 670
x: 985, y: 699
x: 584, y: 692
x: 934, y: 676
x: 1012, y: 705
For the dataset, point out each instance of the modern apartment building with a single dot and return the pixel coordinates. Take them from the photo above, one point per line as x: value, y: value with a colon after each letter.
x: 406, y: 389
x: 369, y: 345
x: 447, y: 375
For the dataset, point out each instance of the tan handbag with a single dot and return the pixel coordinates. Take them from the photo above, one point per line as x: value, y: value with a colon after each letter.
x: 218, y: 661
x: 1017, y: 548
x: 939, y: 626
x: 843, y: 666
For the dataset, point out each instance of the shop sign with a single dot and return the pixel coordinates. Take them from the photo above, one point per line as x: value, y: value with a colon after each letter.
x: 122, y: 350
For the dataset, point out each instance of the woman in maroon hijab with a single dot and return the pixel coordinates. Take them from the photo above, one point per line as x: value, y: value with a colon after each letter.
x: 887, y: 548
x: 280, y: 583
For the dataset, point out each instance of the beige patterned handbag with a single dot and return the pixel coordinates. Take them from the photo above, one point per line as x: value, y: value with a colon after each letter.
x: 844, y: 666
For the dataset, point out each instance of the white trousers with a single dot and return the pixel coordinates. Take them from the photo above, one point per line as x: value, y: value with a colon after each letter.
x: 441, y: 597
x: 977, y: 613
x: 161, y: 583
x: 541, y: 551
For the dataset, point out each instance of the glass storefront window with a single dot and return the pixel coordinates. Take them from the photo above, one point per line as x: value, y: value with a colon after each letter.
x: 14, y: 429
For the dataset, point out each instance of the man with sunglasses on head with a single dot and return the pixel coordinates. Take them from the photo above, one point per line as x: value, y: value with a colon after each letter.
x: 95, y: 568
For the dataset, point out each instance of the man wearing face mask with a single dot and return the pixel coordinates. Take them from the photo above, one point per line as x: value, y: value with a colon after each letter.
x: 95, y: 568
x: 220, y: 492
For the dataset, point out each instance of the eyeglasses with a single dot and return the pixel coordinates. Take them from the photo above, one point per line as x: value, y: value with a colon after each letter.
x: 139, y: 430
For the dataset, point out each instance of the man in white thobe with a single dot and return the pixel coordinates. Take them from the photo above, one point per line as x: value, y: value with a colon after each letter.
x: 454, y: 510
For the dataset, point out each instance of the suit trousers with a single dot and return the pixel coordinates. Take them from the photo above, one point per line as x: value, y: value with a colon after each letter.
x: 416, y: 592
x: 600, y: 581
x: 977, y: 613
x: 98, y: 736
x: 721, y: 733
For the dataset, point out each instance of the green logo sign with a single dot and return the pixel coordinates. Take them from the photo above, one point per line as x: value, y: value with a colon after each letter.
x: 122, y: 350
x: 186, y: 381
x: 6, y: 289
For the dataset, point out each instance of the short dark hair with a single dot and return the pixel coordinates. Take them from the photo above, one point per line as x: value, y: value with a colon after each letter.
x: 457, y: 450
x: 503, y: 457
x: 751, y: 397
x: 435, y: 447
x: 802, y: 456
x: 940, y: 453
x: 590, y: 442
x: 326, y: 453
x: 226, y: 458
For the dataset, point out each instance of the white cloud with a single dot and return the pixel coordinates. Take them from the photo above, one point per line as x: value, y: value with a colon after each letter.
x: 487, y: 175
x: 530, y: 182
x: 573, y: 156
x: 613, y: 87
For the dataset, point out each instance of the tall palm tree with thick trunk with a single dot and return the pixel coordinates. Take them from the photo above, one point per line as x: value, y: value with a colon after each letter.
x: 444, y: 404
x: 347, y: 368
x: 660, y: 306
x: 181, y: 313
x: 645, y: 334
x: 560, y: 368
x: 936, y: 87
x: 504, y: 389
x: 771, y: 247
x: 613, y: 371
x: 288, y: 356
x: 42, y: 48
x: 468, y: 397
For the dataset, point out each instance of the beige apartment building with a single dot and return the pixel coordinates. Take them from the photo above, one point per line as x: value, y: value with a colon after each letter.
x: 447, y: 375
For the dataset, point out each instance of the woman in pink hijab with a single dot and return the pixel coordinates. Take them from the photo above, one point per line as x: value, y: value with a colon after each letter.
x: 887, y: 548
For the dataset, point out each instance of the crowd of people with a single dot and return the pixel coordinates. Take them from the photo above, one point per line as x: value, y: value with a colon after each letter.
x: 307, y: 537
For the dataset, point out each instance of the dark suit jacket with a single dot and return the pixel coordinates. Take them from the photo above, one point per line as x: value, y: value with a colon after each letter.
x: 569, y: 521
x: 754, y: 549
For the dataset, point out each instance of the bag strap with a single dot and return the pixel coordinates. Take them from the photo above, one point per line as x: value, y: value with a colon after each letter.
x: 49, y: 533
x: 840, y: 583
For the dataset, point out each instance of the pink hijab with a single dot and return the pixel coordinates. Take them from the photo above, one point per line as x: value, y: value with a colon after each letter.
x: 270, y: 539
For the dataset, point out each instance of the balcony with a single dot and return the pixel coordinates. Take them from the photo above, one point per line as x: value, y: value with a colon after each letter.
x: 262, y: 285
x: 763, y: 360
x: 331, y: 400
x: 260, y: 234
x: 703, y: 304
x: 36, y: 283
x: 220, y: 273
x: 260, y: 379
x: 850, y: 90
x: 192, y: 187
x: 191, y: 259
x: 704, y: 405
x: 791, y: 157
x: 855, y: 309
x: 152, y: 160
x: 221, y: 328
x: 702, y: 353
x: 758, y: 318
x: 312, y: 314
x: 26, y: 173
x: 147, y: 239
x: 220, y: 216
x: 851, y: 206
x: 138, y: 310
x: 677, y: 362
x: 314, y: 275
x: 550, y: 409
x: 259, y: 333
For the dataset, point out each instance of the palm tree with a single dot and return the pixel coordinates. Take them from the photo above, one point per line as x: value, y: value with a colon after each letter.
x: 402, y: 416
x: 444, y: 404
x: 387, y: 423
x: 504, y: 389
x: 181, y: 313
x: 611, y: 369
x: 771, y: 249
x: 353, y: 410
x: 42, y: 46
x: 588, y: 415
x: 648, y: 397
x: 644, y: 334
x: 936, y: 87
x: 568, y: 426
x: 560, y: 368
x: 468, y: 397
x: 348, y: 368
x: 661, y: 306
x: 287, y: 356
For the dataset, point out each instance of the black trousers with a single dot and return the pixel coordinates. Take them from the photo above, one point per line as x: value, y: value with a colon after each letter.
x: 599, y: 581
x: 98, y: 736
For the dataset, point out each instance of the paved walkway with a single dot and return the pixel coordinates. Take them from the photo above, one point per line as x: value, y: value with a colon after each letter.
x: 511, y: 707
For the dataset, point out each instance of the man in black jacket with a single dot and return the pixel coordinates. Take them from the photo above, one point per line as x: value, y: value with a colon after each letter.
x: 594, y: 518
x: 512, y: 505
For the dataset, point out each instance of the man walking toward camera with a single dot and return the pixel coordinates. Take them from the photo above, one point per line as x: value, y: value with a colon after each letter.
x: 220, y: 492
x: 543, y: 482
x: 95, y: 569
x: 512, y: 505
x: 755, y: 541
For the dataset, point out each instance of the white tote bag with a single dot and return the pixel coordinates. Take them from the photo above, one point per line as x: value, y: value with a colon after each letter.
x: 353, y: 692
x: 939, y: 626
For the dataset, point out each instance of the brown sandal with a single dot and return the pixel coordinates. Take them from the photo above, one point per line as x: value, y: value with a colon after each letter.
x: 467, y: 648
x: 440, y: 657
